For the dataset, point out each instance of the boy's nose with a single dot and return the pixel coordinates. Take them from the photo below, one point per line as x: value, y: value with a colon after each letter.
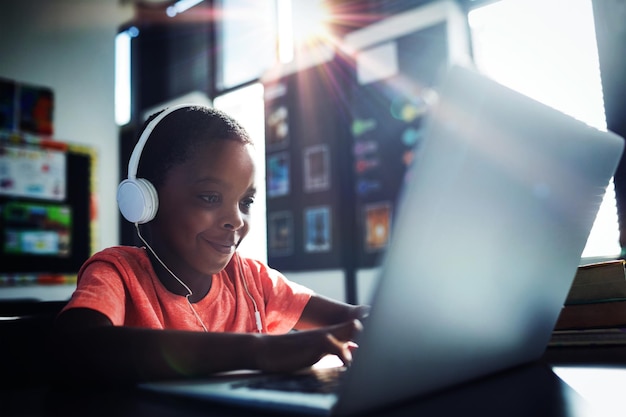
x: 233, y: 220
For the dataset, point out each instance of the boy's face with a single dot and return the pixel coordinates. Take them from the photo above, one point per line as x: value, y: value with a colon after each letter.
x: 204, y: 208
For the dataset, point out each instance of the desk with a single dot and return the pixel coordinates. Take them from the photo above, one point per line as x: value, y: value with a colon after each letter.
x: 528, y: 390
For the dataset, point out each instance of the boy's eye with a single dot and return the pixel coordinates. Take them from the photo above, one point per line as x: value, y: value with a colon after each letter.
x: 247, y: 202
x: 211, y: 198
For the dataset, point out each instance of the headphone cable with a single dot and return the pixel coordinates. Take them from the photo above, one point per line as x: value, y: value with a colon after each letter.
x: 175, y: 277
x: 257, y: 314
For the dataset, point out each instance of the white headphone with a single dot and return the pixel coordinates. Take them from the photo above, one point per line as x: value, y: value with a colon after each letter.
x: 137, y: 198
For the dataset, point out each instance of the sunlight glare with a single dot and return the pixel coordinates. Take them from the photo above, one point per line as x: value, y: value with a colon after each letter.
x: 285, y: 31
x: 535, y: 48
x: 311, y: 18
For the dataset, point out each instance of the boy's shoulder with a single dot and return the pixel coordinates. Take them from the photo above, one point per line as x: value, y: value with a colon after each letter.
x: 125, y: 260
x: 121, y: 251
x: 119, y: 255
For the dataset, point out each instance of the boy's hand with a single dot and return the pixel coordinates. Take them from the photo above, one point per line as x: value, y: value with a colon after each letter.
x: 301, y: 349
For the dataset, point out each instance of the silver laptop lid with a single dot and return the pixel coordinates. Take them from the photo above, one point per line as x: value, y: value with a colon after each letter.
x: 488, y: 236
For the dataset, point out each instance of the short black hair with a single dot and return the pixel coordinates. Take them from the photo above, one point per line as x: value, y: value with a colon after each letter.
x: 177, y: 135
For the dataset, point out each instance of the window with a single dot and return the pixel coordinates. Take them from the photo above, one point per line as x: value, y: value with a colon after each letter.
x: 547, y: 50
x: 246, y: 106
x: 123, y: 75
x: 246, y: 41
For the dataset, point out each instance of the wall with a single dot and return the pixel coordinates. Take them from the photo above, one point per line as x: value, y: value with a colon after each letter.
x: 68, y: 45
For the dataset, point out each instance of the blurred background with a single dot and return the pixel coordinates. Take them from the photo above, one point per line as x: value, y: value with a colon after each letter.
x: 333, y: 93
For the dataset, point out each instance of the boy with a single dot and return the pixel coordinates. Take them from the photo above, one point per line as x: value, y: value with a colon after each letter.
x: 187, y: 304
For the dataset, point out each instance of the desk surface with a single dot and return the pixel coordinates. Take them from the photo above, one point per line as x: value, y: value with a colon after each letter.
x: 529, y: 390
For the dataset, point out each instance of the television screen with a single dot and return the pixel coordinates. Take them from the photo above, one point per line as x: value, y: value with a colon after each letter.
x: 45, y: 210
x: 36, y: 229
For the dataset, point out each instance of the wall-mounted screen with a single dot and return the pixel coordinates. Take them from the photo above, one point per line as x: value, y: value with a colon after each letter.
x: 31, y: 172
x: 45, y: 210
x: 36, y: 229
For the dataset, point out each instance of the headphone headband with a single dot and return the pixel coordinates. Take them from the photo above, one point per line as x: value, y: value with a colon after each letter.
x: 133, y: 162
x: 137, y: 198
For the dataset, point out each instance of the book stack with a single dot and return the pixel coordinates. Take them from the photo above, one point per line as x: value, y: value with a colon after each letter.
x: 595, y: 308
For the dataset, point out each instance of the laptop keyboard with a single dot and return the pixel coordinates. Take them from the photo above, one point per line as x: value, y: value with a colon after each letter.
x: 323, y: 381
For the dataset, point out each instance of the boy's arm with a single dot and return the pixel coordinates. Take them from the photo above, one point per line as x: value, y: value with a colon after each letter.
x: 88, y: 347
x: 322, y: 311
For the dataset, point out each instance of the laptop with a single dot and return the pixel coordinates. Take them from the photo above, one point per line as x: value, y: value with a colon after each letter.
x: 489, y: 232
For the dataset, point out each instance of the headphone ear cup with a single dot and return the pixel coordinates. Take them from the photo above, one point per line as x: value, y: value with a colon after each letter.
x: 137, y: 200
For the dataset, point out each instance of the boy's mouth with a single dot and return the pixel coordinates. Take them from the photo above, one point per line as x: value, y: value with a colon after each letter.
x: 223, y: 247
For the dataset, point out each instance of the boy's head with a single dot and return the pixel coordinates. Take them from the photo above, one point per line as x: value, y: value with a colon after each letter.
x: 201, y: 166
x: 168, y: 138
x: 178, y: 135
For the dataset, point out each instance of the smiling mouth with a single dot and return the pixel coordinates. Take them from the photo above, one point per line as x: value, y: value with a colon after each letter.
x: 225, y: 248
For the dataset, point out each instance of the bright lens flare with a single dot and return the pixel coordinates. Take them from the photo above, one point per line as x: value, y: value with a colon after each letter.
x: 311, y: 22
x: 302, y: 25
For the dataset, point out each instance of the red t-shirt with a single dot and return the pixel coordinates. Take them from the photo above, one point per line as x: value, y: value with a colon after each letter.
x: 120, y: 283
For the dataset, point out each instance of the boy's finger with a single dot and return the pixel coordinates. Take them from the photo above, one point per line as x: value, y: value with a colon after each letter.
x: 342, y: 350
x: 346, y: 331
